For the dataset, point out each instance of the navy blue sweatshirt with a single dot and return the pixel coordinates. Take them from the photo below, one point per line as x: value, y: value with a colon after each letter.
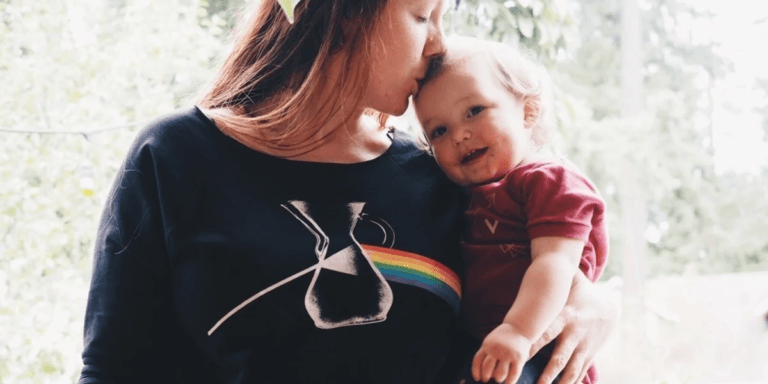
x: 215, y: 263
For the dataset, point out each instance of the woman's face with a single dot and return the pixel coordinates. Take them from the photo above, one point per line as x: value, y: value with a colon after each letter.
x: 407, y: 34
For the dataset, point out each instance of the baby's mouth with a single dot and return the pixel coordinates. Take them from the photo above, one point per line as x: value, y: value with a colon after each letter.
x: 473, y: 155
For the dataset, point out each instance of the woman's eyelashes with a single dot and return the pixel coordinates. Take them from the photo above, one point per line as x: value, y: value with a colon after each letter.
x: 422, y: 19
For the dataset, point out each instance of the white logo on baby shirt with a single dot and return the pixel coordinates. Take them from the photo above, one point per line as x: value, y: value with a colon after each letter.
x: 491, y: 200
x: 492, y: 227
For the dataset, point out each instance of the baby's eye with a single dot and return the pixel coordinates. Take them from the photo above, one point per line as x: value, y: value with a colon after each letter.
x: 437, y: 132
x: 422, y: 19
x: 475, y: 110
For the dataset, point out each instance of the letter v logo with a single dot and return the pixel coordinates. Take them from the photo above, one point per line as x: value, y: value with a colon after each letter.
x: 492, y: 227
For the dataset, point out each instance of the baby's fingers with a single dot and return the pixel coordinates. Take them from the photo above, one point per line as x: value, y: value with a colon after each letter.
x: 515, y: 370
x: 477, y: 365
x: 489, y: 365
x: 501, y: 372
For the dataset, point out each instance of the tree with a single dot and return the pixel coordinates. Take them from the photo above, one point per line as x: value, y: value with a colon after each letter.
x: 673, y: 151
x: 75, y: 65
x: 543, y: 27
x: 117, y: 62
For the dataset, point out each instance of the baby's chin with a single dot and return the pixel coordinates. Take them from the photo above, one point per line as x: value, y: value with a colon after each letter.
x: 475, y: 181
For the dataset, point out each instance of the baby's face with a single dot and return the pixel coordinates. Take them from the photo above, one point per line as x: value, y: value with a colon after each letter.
x: 475, y: 126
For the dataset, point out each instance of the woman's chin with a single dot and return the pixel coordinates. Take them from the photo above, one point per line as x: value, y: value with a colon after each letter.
x: 399, y: 111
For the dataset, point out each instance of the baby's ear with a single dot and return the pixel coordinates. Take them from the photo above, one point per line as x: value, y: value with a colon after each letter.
x: 532, y: 111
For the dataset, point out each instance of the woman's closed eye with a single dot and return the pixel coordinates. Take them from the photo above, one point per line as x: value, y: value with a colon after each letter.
x: 475, y: 110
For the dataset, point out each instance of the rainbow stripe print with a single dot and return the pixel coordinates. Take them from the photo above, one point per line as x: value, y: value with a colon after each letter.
x: 419, y: 271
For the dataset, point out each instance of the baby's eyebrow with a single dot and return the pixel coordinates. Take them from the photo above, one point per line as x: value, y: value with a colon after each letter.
x: 426, y: 122
x: 471, y: 96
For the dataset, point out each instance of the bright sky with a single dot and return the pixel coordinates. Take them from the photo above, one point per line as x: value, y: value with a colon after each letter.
x: 738, y: 135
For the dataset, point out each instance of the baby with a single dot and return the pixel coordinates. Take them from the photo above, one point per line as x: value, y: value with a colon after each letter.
x: 533, y: 220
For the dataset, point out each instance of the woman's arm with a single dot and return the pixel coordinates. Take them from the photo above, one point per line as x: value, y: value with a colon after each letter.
x: 126, y: 337
x: 590, y: 316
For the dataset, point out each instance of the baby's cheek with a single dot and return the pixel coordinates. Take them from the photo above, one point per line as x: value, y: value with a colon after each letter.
x: 449, y: 170
x: 446, y: 169
x: 442, y: 160
x: 457, y: 176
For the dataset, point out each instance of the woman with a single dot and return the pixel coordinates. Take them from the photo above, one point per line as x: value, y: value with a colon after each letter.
x: 280, y: 234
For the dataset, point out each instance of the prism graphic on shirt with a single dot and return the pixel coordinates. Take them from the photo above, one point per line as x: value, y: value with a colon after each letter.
x: 347, y: 288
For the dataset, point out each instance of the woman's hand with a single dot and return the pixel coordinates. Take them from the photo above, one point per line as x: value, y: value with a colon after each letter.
x: 584, y: 325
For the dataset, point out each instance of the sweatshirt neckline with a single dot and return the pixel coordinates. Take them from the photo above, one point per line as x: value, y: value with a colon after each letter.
x: 246, y: 151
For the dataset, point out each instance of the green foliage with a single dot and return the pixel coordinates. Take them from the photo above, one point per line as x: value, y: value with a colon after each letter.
x: 690, y: 222
x: 76, y: 65
x: 692, y: 210
x: 544, y: 27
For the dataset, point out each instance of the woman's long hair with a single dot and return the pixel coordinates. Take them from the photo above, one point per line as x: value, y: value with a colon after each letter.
x: 271, y: 83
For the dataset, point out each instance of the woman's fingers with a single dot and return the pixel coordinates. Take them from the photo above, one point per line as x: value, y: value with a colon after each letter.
x: 550, y: 334
x: 575, y: 366
x: 560, y: 357
x: 584, y: 372
x: 580, y: 329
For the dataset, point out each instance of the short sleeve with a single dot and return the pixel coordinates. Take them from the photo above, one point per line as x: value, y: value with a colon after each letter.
x: 558, y: 202
x: 562, y: 202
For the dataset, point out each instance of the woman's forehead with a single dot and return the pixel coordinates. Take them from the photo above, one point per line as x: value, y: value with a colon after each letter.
x: 442, y: 5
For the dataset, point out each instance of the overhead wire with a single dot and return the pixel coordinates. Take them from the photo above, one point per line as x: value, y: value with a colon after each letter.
x: 83, y: 132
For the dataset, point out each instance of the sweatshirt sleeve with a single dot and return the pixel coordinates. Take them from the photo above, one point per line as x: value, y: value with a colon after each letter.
x: 129, y: 305
x: 562, y: 202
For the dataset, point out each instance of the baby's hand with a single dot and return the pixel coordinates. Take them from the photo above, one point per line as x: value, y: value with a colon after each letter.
x: 502, y: 355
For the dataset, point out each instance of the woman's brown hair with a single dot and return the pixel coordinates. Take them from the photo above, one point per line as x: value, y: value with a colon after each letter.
x: 272, y: 80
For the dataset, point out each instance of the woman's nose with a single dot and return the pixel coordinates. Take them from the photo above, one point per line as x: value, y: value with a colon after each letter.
x: 435, y: 41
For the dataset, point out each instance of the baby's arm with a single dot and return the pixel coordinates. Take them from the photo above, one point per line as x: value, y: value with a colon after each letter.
x: 542, y: 296
x: 545, y: 287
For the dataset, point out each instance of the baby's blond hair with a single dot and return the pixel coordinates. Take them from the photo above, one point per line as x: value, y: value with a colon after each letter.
x: 517, y: 73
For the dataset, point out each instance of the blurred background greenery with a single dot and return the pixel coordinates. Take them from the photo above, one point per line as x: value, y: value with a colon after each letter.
x: 657, y: 100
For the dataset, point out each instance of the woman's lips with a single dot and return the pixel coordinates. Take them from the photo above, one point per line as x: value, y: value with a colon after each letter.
x: 417, y: 87
x: 473, y: 155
